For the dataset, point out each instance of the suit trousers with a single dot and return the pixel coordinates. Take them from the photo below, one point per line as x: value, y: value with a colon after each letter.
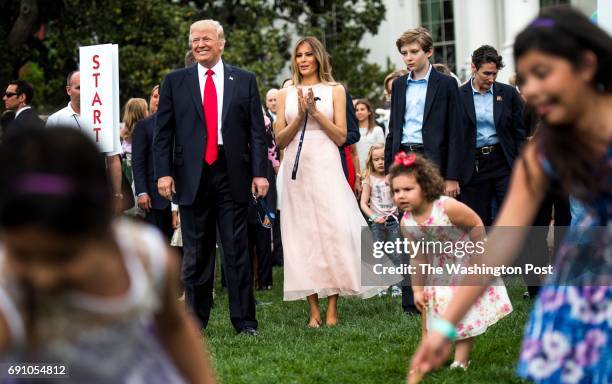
x: 214, y: 207
x: 162, y: 219
x: 489, y: 180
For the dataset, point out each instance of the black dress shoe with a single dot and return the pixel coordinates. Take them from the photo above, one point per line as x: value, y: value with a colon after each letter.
x: 249, y: 331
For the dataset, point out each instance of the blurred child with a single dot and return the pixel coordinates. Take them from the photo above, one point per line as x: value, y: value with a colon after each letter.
x: 81, y: 289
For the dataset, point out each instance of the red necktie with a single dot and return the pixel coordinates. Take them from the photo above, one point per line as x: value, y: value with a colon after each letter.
x: 210, y: 116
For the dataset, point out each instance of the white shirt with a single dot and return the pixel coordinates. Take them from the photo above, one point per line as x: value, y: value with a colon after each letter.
x: 67, y: 117
x: 219, y: 80
x: 21, y: 110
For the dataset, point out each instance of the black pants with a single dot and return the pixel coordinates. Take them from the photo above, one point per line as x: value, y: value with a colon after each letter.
x: 260, y: 247
x: 277, y: 246
x: 214, y: 206
x: 489, y: 180
x: 162, y: 219
x: 554, y: 206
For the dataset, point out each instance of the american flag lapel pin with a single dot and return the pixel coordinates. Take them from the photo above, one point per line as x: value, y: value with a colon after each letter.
x: 499, y: 98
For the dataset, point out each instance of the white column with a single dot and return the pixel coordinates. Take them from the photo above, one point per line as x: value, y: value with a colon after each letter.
x: 475, y: 25
x: 517, y: 14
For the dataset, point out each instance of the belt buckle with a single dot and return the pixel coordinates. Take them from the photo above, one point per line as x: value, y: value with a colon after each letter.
x: 486, y: 150
x: 414, y: 147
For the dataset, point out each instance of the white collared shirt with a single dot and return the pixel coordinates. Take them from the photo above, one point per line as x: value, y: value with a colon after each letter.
x: 21, y: 110
x: 67, y: 117
x: 219, y: 80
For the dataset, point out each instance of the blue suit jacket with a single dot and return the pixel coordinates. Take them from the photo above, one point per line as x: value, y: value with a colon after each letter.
x: 442, y: 130
x: 142, y: 162
x: 509, y: 124
x: 180, y: 135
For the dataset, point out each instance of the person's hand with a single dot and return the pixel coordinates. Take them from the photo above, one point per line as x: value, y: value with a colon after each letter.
x: 451, y: 188
x: 420, y: 300
x: 388, y: 179
x: 176, y: 222
x: 430, y: 354
x: 311, y: 103
x: 144, y: 202
x: 301, y: 104
x: 260, y: 186
x: 380, y: 220
x: 165, y: 187
x: 357, y: 189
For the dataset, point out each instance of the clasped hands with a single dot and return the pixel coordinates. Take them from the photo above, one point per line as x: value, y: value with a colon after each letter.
x: 306, y: 104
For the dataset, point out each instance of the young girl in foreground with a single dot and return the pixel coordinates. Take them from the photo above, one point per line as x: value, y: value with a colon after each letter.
x: 77, y: 288
x: 417, y: 190
x: 564, y: 63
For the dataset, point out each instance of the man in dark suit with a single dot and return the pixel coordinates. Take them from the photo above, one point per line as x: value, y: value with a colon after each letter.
x: 352, y: 131
x: 425, y: 118
x: 210, y: 158
x: 494, y: 133
x: 17, y: 97
x: 157, y: 209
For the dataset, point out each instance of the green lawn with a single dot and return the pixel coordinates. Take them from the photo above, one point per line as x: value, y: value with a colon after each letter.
x: 372, y: 344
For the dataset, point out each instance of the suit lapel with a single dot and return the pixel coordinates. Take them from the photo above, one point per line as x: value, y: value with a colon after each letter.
x: 498, y: 103
x: 228, y: 92
x: 401, y: 103
x: 468, y: 100
x: 196, y: 95
x: 432, y: 88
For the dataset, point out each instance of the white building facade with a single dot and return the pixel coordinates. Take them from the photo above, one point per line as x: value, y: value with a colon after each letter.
x: 459, y: 27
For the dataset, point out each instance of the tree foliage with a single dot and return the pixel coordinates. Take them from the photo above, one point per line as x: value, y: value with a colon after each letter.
x: 42, y: 44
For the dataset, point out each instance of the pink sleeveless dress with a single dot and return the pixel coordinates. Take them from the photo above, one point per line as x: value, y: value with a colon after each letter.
x: 320, y: 219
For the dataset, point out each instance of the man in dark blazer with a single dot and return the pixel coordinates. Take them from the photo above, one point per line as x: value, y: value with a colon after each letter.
x: 17, y: 97
x: 210, y: 158
x: 157, y: 208
x: 494, y: 133
x: 352, y: 131
x: 425, y: 118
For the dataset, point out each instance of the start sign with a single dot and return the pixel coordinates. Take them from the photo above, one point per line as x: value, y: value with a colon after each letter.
x: 99, y: 66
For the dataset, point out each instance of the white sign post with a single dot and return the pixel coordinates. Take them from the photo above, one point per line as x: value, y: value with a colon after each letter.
x: 99, y: 66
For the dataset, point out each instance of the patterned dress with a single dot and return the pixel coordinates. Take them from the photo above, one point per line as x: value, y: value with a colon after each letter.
x: 568, y: 338
x: 492, y: 306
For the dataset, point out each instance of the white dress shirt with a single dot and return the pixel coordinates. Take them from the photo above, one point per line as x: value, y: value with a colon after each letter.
x: 67, y: 117
x: 219, y: 80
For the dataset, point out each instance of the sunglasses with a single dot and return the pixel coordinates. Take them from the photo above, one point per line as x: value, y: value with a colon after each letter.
x: 10, y: 94
x: 265, y: 217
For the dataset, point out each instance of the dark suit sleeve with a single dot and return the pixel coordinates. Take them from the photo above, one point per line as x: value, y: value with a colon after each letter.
x: 519, y: 130
x: 456, y: 132
x: 164, y: 132
x: 352, y: 125
x: 140, y: 148
x: 259, y: 151
x: 391, y: 128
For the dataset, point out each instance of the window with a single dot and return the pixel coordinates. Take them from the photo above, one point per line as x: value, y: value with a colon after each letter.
x: 550, y: 3
x: 437, y: 16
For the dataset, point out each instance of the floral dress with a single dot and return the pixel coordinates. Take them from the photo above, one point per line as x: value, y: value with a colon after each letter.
x: 492, y: 306
x: 568, y: 337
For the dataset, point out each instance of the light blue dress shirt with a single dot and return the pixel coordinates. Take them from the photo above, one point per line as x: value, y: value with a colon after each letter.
x: 415, y: 108
x: 485, y: 120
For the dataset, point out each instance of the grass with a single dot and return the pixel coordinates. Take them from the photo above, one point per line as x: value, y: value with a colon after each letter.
x: 372, y: 343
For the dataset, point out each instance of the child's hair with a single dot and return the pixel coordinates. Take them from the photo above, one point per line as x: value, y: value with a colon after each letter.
x: 369, y: 165
x: 420, y: 35
x: 566, y: 33
x: 442, y: 68
x: 371, y: 118
x: 53, y: 179
x: 426, y: 174
x: 135, y: 110
x: 392, y: 76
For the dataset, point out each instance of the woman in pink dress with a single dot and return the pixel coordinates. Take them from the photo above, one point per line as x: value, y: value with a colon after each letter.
x: 320, y: 219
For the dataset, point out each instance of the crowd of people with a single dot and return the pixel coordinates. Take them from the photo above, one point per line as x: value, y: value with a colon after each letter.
x: 295, y: 183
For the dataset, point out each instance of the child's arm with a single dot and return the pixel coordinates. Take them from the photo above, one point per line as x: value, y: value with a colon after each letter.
x: 365, y: 202
x: 179, y: 334
x: 465, y: 218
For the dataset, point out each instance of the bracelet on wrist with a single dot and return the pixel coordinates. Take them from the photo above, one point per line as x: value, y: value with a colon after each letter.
x: 373, y: 217
x: 445, y: 328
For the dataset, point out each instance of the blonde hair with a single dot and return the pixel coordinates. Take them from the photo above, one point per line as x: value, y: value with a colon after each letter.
x: 420, y: 35
x: 201, y: 24
x: 135, y: 109
x: 369, y: 165
x: 320, y: 54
